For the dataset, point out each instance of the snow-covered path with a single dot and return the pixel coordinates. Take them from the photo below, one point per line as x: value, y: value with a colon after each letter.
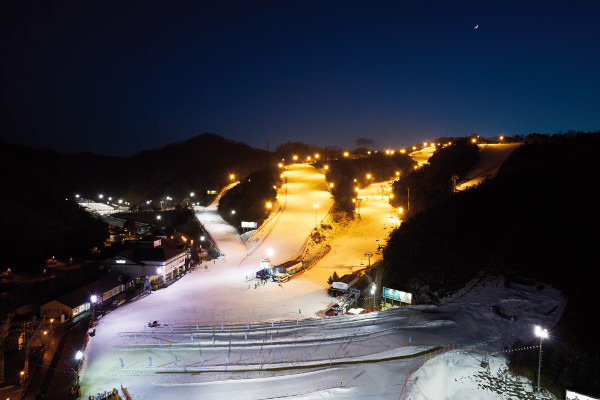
x: 225, y: 235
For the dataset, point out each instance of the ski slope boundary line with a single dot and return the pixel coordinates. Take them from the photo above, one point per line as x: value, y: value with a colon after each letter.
x: 308, y: 366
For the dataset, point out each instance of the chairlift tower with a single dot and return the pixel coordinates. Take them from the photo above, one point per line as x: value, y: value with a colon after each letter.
x: 369, y: 254
x: 454, y: 179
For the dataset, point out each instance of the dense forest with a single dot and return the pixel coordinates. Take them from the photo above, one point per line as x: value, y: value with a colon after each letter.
x: 536, y: 220
x: 40, y: 223
x: 434, y: 181
x: 247, y: 201
x: 347, y: 174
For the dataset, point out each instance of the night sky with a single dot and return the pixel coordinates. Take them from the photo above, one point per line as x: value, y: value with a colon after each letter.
x: 118, y: 77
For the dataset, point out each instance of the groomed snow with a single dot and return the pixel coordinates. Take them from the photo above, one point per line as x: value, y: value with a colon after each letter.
x: 222, y: 338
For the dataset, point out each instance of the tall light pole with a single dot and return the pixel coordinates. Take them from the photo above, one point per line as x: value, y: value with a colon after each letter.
x: 373, y: 288
x: 542, y: 334
x: 93, y: 300
x: 78, y: 358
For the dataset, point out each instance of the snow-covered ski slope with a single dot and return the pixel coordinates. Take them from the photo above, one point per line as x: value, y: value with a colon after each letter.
x: 221, y: 338
x: 491, y: 158
x: 358, y: 246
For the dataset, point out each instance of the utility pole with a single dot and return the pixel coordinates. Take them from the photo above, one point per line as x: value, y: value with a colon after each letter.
x: 268, y: 142
x: 408, y: 200
x: 542, y: 334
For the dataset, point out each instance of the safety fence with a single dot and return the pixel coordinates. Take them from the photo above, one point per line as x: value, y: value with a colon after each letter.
x: 442, y: 350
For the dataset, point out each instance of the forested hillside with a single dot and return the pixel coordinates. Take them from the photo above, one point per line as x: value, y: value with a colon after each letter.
x: 42, y: 220
x: 536, y: 220
x: 433, y: 182
x: 346, y: 174
x: 248, y: 200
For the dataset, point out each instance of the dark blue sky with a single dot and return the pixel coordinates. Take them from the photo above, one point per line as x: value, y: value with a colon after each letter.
x: 119, y: 77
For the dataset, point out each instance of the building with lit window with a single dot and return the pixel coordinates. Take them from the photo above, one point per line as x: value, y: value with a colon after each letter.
x: 76, y: 302
x: 160, y: 260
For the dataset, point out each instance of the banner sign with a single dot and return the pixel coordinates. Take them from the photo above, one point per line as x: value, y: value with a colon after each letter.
x: 397, y: 295
x: 246, y: 224
x: 577, y: 396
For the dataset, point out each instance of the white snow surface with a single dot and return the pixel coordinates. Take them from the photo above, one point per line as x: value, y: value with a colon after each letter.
x: 468, y: 376
x: 222, y: 338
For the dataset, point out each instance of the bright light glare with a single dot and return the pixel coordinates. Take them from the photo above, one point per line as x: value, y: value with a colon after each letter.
x: 539, y: 332
x: 78, y: 355
x: 94, y: 298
